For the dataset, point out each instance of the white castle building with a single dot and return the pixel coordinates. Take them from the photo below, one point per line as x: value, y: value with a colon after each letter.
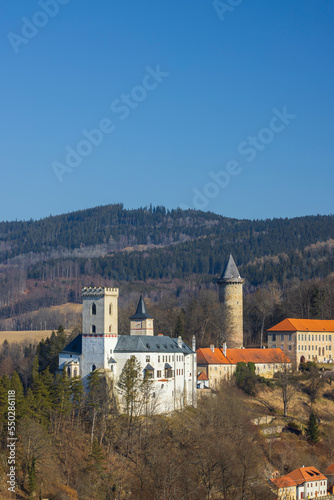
x: 169, y: 362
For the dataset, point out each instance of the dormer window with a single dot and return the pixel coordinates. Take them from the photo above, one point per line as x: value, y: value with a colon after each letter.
x: 94, y: 309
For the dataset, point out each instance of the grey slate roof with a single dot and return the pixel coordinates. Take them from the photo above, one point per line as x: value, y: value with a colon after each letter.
x: 135, y: 343
x: 230, y: 272
x: 149, y: 367
x: 74, y: 347
x: 147, y: 343
x: 141, y: 312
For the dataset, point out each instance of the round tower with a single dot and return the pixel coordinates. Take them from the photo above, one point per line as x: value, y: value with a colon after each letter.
x: 230, y: 295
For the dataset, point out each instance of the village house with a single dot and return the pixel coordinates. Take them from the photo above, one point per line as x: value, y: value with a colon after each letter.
x: 302, y: 483
x: 304, y: 340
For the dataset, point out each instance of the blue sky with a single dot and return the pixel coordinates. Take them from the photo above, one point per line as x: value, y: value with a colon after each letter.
x: 227, y: 108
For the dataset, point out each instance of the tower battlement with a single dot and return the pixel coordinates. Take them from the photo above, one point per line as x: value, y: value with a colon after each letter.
x: 100, y: 291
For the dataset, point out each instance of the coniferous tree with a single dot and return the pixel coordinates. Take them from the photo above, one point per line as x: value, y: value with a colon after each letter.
x: 312, y: 430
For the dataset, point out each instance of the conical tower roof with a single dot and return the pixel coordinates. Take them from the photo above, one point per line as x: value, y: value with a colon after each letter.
x: 141, y: 312
x: 231, y: 272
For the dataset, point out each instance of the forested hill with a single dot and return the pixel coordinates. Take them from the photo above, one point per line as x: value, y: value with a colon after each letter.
x: 154, y: 242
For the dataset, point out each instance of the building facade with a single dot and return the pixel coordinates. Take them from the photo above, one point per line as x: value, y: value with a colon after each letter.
x: 231, y: 297
x: 220, y: 364
x: 168, y: 362
x: 304, y: 340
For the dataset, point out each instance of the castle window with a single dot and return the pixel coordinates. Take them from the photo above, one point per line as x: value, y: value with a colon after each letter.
x: 110, y: 309
x: 94, y: 309
x: 93, y: 368
x: 159, y: 373
x: 75, y: 372
x: 290, y: 337
x: 330, y: 338
x: 282, y: 336
x: 93, y: 329
x: 147, y: 359
x: 109, y: 328
x: 68, y: 371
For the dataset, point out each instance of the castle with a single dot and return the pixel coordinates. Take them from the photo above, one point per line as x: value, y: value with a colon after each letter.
x: 169, y: 363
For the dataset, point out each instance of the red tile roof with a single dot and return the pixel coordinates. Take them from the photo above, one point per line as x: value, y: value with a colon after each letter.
x: 304, y: 325
x: 304, y: 474
x: 256, y: 356
x: 205, y: 356
x: 283, y: 482
x: 202, y: 376
x: 330, y: 470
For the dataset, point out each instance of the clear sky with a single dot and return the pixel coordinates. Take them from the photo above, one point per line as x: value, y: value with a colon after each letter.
x: 227, y: 107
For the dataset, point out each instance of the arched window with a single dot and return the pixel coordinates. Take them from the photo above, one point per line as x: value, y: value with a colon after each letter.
x: 68, y: 371
x: 93, y: 309
x: 110, y: 309
x: 93, y: 368
x: 93, y: 329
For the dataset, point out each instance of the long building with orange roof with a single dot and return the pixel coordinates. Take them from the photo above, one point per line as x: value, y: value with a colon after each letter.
x: 304, y: 340
x: 220, y: 364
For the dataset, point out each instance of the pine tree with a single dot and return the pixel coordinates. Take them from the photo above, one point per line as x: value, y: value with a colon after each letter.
x: 179, y: 329
x: 312, y: 430
x: 129, y: 385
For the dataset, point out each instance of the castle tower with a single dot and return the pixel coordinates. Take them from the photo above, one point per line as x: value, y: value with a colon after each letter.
x: 230, y: 295
x: 141, y: 323
x: 99, y: 328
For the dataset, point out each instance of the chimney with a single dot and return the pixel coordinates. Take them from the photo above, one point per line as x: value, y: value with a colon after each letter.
x: 224, y: 348
x: 194, y: 343
x: 212, y: 347
x: 179, y: 342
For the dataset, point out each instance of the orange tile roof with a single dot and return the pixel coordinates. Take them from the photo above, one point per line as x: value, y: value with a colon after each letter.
x: 205, y: 356
x: 256, y: 356
x: 330, y: 470
x: 304, y: 325
x: 304, y: 474
x: 202, y: 376
x: 283, y: 482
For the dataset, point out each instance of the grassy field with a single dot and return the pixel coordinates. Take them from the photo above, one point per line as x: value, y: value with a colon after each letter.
x: 30, y: 336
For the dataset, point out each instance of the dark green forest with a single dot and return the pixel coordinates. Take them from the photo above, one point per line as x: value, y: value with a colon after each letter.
x: 46, y: 262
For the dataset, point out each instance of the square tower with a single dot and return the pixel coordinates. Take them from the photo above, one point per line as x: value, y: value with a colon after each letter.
x: 100, y: 310
x: 99, y: 328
